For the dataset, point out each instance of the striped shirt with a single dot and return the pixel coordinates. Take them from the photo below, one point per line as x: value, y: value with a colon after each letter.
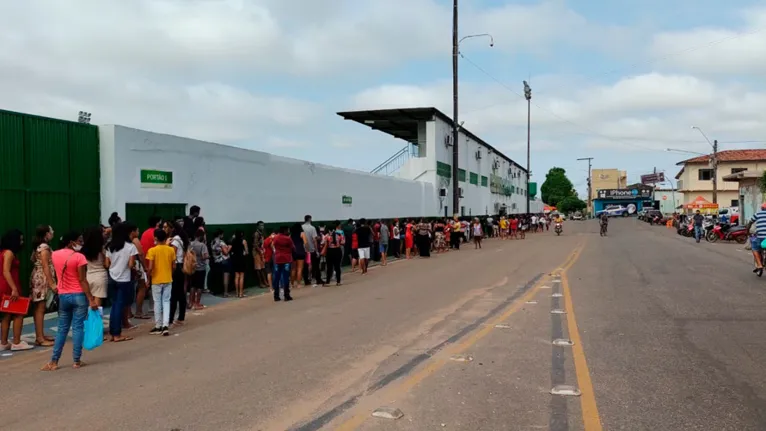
x: 759, y: 219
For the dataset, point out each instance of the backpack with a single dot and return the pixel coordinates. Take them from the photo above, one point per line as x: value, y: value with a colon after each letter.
x: 190, y: 262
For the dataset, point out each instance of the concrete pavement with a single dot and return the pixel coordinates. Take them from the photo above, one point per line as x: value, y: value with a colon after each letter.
x: 666, y: 337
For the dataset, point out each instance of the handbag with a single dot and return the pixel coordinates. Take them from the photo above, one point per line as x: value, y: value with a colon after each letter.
x: 51, y: 301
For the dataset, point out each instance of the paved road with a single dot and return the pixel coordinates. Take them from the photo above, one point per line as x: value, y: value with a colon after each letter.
x: 667, y: 336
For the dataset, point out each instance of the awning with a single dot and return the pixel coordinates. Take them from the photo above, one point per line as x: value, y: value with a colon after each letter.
x: 701, y: 203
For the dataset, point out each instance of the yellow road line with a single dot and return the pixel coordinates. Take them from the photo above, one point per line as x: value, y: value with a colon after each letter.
x: 413, y: 380
x: 590, y: 415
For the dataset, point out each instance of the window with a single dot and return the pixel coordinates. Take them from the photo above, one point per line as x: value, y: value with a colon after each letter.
x: 735, y: 203
x: 484, y: 181
x: 705, y: 174
x: 737, y: 170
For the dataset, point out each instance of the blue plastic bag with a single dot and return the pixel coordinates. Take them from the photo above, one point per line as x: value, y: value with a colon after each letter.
x: 94, y: 330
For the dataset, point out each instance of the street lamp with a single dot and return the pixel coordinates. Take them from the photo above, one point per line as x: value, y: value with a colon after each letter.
x: 455, y: 125
x: 83, y: 117
x: 713, y: 161
x: 528, y: 96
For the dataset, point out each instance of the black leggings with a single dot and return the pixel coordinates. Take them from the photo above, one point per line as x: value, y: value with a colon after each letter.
x: 178, y: 295
x: 334, y: 257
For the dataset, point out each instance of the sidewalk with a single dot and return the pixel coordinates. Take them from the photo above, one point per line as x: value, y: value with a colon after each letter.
x: 51, y: 320
x: 50, y: 324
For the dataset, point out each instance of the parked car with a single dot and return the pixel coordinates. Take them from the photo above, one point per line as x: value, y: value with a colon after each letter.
x: 614, y: 211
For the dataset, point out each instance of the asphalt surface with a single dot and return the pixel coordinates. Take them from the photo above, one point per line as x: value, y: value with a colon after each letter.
x: 668, y: 335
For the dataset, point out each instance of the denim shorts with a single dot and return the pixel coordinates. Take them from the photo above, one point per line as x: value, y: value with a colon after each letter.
x: 755, y: 243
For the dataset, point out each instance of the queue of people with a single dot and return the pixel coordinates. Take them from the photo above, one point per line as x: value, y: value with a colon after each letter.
x: 172, y: 260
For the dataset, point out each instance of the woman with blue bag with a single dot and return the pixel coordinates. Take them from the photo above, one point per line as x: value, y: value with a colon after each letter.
x: 74, y: 298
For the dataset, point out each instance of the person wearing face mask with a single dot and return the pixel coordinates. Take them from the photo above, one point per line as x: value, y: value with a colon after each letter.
x: 74, y: 298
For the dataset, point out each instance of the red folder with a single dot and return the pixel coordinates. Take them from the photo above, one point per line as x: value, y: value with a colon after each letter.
x: 19, y: 306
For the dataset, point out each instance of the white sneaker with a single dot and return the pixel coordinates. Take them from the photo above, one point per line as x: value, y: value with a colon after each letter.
x: 21, y: 347
x: 4, y: 347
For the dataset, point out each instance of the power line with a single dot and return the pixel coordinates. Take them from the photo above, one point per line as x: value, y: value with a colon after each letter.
x: 653, y: 61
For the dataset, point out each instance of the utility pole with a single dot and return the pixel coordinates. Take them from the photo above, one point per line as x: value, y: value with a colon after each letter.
x: 455, y: 154
x: 590, y: 186
x: 528, y: 96
x: 715, y: 171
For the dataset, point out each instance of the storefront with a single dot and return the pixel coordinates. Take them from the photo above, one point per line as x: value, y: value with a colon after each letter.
x: 630, y: 200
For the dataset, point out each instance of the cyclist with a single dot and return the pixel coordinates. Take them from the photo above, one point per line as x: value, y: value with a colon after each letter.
x: 604, y: 221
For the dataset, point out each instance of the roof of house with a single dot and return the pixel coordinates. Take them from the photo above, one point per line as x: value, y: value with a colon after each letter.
x: 744, y: 175
x: 402, y: 123
x: 729, y: 156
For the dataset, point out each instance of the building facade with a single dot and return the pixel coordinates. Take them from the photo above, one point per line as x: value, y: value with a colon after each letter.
x: 751, y: 195
x: 696, y: 175
x: 490, y: 182
x: 605, y: 179
x: 668, y: 200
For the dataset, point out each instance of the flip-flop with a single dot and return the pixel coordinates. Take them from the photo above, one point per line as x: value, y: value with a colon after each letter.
x: 50, y: 367
x: 121, y: 339
x: 45, y: 343
x: 78, y: 365
x: 49, y: 338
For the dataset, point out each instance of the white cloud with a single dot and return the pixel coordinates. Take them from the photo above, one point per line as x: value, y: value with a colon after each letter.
x: 716, y: 50
x: 643, y: 112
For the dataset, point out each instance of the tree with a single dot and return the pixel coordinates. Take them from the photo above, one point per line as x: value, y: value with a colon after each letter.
x: 556, y: 187
x: 571, y: 204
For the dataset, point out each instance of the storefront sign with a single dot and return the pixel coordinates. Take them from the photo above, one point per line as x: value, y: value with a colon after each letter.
x: 625, y: 194
x: 346, y: 200
x: 153, y: 179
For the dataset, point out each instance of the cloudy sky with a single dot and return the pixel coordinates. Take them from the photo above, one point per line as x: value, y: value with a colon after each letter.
x: 619, y: 81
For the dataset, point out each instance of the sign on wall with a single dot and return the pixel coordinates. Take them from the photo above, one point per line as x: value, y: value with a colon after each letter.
x: 346, y: 200
x: 625, y: 194
x: 154, y: 179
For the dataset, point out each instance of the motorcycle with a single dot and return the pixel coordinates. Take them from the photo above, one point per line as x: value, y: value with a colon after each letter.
x: 727, y: 232
x: 558, y: 229
x: 686, y: 230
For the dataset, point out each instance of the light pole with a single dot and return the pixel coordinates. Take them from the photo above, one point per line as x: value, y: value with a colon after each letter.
x: 590, y: 185
x: 83, y: 117
x: 455, y: 124
x: 528, y: 96
x: 714, y: 161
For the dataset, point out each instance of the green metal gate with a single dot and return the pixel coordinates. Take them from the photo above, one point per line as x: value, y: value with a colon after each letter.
x: 50, y: 175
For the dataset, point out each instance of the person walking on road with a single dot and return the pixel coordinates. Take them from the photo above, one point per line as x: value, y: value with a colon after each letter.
x: 332, y: 248
x: 698, y: 220
x: 759, y: 219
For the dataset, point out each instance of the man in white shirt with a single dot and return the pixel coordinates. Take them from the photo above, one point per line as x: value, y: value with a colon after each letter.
x: 310, y: 233
x: 534, y: 223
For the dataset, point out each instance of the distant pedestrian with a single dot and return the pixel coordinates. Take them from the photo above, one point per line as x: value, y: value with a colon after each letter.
x: 385, y: 236
x: 364, y: 238
x: 759, y: 220
x: 478, y: 233
x: 283, y: 257
x: 121, y: 257
x: 199, y: 250
x: 698, y: 220
x: 10, y: 285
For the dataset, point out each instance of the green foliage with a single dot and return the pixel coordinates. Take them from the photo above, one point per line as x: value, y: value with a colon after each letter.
x: 571, y: 204
x: 556, y: 187
x: 762, y: 183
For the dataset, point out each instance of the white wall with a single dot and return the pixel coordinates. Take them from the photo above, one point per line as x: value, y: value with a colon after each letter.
x: 478, y: 200
x: 234, y: 185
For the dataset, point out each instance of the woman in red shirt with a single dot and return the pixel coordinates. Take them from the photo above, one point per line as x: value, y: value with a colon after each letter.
x: 10, y: 285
